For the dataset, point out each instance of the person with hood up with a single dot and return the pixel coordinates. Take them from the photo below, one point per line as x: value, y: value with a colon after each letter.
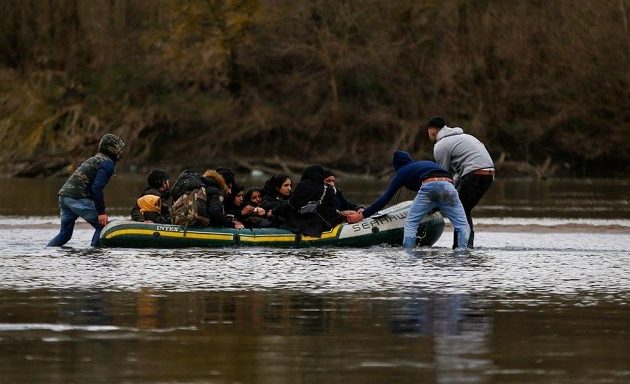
x: 253, y: 215
x: 152, y: 205
x: 234, y: 202
x: 435, y: 190
x: 82, y: 193
x: 276, y: 190
x: 218, y: 184
x: 468, y: 159
x: 311, y: 209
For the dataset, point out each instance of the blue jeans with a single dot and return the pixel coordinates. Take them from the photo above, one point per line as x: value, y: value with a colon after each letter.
x: 71, y: 210
x: 443, y: 196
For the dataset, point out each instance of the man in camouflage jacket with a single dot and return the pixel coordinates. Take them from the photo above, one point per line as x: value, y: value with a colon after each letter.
x: 82, y: 194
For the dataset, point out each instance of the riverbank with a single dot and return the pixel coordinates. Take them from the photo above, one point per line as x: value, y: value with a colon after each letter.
x: 562, y: 228
x: 55, y: 168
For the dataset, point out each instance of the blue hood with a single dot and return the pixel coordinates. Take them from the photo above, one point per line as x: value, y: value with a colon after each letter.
x: 401, y: 158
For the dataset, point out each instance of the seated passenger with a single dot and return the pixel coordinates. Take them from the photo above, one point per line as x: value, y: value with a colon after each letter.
x: 253, y: 197
x: 152, y: 205
x: 218, y: 184
x: 252, y: 214
x: 276, y: 190
x: 344, y: 206
x: 228, y: 175
x: 312, y: 208
x: 234, y: 202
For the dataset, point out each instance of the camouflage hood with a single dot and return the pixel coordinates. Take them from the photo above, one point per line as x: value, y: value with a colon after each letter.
x: 111, y: 145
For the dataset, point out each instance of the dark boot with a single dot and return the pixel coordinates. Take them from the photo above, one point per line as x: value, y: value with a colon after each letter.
x: 471, y: 239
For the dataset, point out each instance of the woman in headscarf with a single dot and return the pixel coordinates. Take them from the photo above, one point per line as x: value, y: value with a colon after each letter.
x: 312, y: 208
x: 253, y: 216
x: 276, y: 190
x: 234, y: 201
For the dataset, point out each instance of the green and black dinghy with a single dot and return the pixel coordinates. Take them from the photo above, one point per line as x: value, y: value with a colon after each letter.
x: 386, y: 227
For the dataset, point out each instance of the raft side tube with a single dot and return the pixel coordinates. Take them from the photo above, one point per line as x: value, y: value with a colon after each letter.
x: 386, y: 227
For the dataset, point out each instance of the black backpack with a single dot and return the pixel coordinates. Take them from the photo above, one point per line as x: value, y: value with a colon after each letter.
x: 186, y: 182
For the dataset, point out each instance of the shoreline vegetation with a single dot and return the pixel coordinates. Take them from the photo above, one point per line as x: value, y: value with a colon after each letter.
x: 265, y: 166
x: 276, y: 85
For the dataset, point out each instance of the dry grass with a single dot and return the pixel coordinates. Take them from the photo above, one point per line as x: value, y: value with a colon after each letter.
x: 337, y: 82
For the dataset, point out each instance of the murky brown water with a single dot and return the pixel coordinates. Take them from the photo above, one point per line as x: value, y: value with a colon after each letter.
x: 524, y: 307
x: 565, y: 198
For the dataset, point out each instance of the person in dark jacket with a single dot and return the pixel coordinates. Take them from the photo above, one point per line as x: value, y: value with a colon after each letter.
x: 152, y: 205
x: 311, y: 190
x: 234, y: 202
x: 276, y: 190
x: 217, y: 188
x: 435, y: 190
x: 253, y: 197
x: 228, y: 176
x: 82, y: 193
x: 344, y: 206
x: 252, y: 214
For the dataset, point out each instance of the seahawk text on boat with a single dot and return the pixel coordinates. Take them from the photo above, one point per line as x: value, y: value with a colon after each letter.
x: 378, y: 221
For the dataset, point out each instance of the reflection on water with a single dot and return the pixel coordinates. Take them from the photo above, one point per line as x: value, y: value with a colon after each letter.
x: 243, y: 336
x: 291, y: 336
x: 524, y: 307
x: 529, y: 308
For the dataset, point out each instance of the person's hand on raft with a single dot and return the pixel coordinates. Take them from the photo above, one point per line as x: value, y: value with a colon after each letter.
x: 354, y: 217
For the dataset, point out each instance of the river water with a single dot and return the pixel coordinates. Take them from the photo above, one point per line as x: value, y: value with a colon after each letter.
x: 545, y: 297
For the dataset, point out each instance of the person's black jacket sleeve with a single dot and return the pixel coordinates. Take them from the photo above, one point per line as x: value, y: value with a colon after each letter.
x: 270, y: 203
x: 215, y: 211
x: 156, y: 218
x: 136, y: 215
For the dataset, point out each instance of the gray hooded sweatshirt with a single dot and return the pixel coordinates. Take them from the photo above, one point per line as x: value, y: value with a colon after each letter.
x: 459, y: 152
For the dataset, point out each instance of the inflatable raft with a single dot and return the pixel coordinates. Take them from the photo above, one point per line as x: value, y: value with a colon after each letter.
x: 386, y: 227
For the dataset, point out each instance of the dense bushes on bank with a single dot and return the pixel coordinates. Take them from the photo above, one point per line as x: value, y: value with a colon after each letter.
x: 543, y: 83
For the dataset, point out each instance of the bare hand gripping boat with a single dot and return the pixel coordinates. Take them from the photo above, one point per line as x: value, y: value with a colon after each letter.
x: 386, y: 227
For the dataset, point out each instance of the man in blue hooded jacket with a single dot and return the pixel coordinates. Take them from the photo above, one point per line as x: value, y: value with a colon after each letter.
x: 435, y: 190
x: 82, y: 193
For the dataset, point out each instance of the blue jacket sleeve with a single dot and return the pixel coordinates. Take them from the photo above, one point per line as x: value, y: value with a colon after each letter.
x: 103, y: 174
x: 391, y: 190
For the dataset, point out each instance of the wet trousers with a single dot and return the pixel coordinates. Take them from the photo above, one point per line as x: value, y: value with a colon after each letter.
x: 71, y: 209
x: 471, y: 189
x: 443, y: 196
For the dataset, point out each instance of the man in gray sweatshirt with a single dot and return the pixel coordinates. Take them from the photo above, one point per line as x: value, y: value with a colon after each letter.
x: 469, y: 161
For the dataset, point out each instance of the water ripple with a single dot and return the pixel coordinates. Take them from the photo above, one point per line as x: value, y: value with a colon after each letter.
x: 513, y: 263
